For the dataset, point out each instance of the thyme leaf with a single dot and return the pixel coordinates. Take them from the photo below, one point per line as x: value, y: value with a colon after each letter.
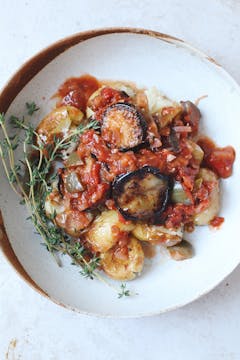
x: 123, y: 291
x: 31, y: 108
x: 2, y: 118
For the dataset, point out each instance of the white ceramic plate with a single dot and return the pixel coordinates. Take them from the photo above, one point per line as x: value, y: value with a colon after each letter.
x: 181, y: 72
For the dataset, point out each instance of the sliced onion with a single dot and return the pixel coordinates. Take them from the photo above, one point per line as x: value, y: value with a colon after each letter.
x: 73, y: 183
x: 179, y: 195
x: 73, y: 159
x: 197, y: 151
x: 182, y: 251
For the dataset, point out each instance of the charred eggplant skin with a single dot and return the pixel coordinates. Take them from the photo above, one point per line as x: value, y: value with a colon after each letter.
x: 60, y: 185
x: 191, y: 115
x: 124, y: 127
x: 142, y: 194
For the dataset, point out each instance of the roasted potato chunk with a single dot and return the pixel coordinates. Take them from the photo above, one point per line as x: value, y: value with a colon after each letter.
x: 101, y: 235
x: 58, y: 122
x: 158, y: 234
x: 204, y: 217
x: 124, y: 269
x: 74, y: 222
x: 54, y: 204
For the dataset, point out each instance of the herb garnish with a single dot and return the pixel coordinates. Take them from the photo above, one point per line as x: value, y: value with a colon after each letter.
x: 123, y: 291
x: 31, y: 107
x: 33, y: 195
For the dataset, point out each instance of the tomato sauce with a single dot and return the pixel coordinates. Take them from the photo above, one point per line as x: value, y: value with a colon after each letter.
x: 94, y: 188
x: 217, y: 221
x: 111, y: 163
x: 107, y: 97
x: 90, y: 197
x: 76, y: 91
x: 220, y: 160
x: 172, y: 154
x: 178, y: 214
x: 120, y: 250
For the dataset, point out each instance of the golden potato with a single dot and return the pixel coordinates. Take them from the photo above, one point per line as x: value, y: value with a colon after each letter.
x: 208, y: 214
x: 124, y: 269
x: 89, y: 111
x: 54, y: 204
x: 73, y: 221
x: 158, y: 234
x: 58, y: 122
x: 101, y: 235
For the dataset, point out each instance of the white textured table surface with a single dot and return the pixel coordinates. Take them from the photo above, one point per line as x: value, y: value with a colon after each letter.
x: 33, y: 328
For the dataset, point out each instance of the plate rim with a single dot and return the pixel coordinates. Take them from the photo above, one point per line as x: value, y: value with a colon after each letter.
x: 22, y: 77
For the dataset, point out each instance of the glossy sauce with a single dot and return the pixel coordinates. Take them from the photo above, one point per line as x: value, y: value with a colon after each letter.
x: 76, y: 91
x: 121, y: 248
x: 177, y: 160
x: 105, y: 98
x: 217, y: 221
x: 115, y: 162
x: 220, y: 160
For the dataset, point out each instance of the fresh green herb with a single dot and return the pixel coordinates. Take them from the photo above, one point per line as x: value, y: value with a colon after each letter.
x: 16, y: 122
x: 123, y: 291
x: 14, y: 173
x: 31, y: 108
x: 33, y: 194
x: 92, y: 265
x: 2, y: 119
x: 22, y: 202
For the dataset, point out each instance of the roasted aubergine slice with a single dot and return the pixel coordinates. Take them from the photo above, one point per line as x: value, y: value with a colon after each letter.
x: 142, y: 194
x: 123, y: 126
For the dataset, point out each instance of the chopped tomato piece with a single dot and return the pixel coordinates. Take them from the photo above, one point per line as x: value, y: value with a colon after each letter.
x: 178, y: 214
x: 92, y: 143
x: 220, y: 160
x: 76, y: 91
x: 217, y: 221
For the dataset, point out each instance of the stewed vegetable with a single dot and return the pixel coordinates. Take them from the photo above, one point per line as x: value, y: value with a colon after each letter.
x: 116, y: 168
x: 127, y: 267
x: 58, y: 122
x: 123, y: 127
x: 158, y: 234
x: 179, y: 195
x: 205, y: 215
x: 181, y: 251
x: 142, y: 194
x: 103, y: 233
x: 191, y: 115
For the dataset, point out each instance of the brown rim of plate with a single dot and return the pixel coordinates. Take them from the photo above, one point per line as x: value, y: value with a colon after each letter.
x: 30, y: 68
x: 26, y: 72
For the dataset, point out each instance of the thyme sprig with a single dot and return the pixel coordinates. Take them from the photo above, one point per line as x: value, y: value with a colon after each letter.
x: 31, y: 108
x: 39, y: 185
x: 123, y: 291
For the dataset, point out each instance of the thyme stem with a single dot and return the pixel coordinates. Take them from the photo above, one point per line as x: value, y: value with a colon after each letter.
x: 53, y: 237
